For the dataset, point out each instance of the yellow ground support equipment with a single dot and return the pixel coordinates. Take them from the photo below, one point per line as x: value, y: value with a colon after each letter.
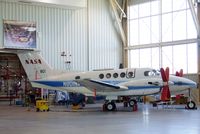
x: 42, y: 105
x: 76, y: 107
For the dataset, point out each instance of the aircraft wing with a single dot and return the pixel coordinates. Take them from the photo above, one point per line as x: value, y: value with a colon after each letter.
x: 100, y: 86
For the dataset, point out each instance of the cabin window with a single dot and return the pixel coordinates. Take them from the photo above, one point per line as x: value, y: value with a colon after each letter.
x: 130, y: 74
x: 101, y: 76
x: 108, y: 75
x: 115, y: 75
x: 77, y: 77
x: 122, y: 75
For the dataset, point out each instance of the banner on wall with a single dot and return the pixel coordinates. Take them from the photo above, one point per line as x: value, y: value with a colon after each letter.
x: 18, y: 34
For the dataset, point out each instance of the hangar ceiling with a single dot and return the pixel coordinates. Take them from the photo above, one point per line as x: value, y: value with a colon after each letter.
x: 71, y: 4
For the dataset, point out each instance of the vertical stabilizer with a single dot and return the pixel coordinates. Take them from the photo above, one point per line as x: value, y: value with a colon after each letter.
x: 34, y: 65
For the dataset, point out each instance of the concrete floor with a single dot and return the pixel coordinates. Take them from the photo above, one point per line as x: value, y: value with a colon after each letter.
x: 147, y: 120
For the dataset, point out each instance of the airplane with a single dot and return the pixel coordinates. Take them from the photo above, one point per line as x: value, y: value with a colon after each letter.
x: 110, y: 83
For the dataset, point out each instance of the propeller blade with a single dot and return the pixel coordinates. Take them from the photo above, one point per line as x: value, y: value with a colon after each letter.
x: 168, y: 94
x: 167, y: 73
x: 181, y: 73
x: 164, y: 78
x: 165, y: 94
x: 177, y: 73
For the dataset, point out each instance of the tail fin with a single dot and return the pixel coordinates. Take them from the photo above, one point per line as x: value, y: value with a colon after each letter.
x: 34, y: 65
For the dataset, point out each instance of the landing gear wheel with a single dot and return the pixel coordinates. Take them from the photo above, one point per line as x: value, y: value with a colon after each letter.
x: 132, y: 102
x: 191, y: 105
x: 110, y: 106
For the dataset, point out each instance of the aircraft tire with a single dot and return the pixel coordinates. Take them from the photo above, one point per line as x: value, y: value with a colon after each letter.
x: 132, y: 102
x: 110, y: 106
x: 191, y: 105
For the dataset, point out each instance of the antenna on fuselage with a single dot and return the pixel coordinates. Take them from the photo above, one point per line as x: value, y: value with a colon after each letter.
x: 121, y: 66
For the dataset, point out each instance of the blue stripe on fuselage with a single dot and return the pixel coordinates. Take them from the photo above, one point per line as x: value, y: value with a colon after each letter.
x: 70, y: 83
x: 142, y: 87
x: 59, y: 83
x: 75, y: 84
x: 183, y: 84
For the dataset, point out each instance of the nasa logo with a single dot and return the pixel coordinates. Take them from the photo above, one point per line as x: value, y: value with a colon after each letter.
x: 33, y: 61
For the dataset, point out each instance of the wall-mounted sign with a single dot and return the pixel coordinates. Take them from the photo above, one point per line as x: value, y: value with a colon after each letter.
x: 19, y: 34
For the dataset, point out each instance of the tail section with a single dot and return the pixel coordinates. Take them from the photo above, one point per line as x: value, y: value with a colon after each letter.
x: 35, y: 66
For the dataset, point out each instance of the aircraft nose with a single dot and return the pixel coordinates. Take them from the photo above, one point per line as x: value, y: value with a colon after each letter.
x: 190, y: 83
x: 193, y: 84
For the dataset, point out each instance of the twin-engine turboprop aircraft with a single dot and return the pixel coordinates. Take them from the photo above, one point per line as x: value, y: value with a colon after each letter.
x: 110, y: 83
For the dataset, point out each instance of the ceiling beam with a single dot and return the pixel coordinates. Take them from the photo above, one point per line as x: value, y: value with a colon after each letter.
x: 194, y: 16
x: 114, y: 4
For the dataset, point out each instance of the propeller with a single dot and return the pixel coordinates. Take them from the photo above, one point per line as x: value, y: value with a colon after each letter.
x: 165, y: 93
x: 180, y: 73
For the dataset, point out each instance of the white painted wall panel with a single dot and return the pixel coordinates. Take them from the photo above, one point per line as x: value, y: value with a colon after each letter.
x: 104, y: 42
x: 57, y: 30
x: 88, y: 35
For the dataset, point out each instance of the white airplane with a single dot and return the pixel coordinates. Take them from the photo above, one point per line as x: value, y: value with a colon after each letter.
x: 110, y: 83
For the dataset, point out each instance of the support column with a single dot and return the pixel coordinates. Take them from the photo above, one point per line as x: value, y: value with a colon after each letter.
x: 120, y: 13
x: 196, y: 18
x: 125, y: 28
x: 198, y: 45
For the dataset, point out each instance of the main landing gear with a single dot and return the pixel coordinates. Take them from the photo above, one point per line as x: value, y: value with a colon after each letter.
x: 132, y: 102
x: 109, y: 106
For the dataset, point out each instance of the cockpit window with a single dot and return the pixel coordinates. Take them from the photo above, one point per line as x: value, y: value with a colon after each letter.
x: 147, y: 73
x: 157, y: 72
x: 152, y: 73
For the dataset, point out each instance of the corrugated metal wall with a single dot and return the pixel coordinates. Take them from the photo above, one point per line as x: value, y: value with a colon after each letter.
x: 104, y: 42
x: 91, y: 41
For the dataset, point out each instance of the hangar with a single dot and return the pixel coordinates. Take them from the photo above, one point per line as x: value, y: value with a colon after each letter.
x: 87, y: 35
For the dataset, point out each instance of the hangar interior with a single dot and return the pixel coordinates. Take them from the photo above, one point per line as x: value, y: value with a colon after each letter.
x: 87, y: 35
x: 99, y: 34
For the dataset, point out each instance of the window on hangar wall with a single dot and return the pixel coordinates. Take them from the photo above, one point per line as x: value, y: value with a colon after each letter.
x: 158, y: 32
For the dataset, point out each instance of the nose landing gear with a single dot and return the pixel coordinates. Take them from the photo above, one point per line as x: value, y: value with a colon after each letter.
x: 191, y: 105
